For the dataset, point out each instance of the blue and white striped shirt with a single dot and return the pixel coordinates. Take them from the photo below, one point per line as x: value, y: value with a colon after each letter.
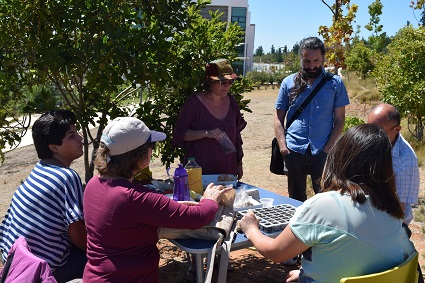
x: 42, y: 208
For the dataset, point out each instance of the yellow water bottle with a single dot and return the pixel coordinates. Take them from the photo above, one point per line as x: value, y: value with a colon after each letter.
x: 194, y: 171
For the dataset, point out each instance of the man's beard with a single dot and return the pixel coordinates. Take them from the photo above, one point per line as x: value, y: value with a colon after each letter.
x: 313, y: 73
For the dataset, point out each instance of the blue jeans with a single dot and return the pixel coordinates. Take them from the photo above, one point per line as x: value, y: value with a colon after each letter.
x: 301, y: 165
x: 73, y: 268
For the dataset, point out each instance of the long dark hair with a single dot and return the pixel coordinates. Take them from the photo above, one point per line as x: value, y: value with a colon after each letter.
x: 300, y: 79
x: 360, y: 164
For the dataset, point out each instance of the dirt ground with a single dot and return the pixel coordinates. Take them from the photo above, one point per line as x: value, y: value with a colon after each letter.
x: 249, y: 265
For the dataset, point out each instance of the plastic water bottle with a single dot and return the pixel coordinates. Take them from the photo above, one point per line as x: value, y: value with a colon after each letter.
x: 181, y: 189
x: 195, y: 176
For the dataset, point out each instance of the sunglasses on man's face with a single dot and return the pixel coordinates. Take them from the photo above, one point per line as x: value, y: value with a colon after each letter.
x: 226, y: 82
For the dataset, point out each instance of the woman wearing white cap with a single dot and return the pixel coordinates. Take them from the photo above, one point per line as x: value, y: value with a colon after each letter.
x: 122, y: 218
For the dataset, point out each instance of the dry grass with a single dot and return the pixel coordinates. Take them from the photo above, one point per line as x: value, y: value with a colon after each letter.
x: 363, y: 90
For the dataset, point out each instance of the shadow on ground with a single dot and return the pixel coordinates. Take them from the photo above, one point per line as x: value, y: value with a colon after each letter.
x: 249, y: 266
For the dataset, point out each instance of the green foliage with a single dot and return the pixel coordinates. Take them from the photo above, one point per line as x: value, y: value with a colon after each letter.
x: 91, y: 50
x: 42, y: 98
x: 351, y: 121
x: 400, y: 76
x: 378, y: 39
x: 375, y: 10
x: 202, y: 40
x: 258, y: 77
x: 359, y: 59
x: 339, y: 32
x: 259, y: 51
x: 261, y: 78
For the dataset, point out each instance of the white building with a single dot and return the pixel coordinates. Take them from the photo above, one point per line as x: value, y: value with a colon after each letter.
x: 237, y: 11
x: 266, y: 67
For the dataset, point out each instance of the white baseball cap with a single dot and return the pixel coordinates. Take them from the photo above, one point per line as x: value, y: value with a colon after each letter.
x: 124, y: 134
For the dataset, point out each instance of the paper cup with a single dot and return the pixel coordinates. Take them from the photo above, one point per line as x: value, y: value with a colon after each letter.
x: 266, y: 202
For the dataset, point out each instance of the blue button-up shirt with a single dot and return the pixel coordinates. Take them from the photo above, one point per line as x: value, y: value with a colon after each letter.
x: 314, y: 125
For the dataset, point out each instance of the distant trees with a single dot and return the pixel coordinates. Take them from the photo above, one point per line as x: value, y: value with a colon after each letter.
x: 259, y: 51
x: 280, y: 55
x: 359, y: 59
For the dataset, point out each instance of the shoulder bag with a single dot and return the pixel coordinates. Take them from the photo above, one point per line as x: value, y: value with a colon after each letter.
x: 277, y: 163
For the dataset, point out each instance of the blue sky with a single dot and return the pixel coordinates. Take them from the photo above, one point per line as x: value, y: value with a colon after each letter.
x: 286, y: 22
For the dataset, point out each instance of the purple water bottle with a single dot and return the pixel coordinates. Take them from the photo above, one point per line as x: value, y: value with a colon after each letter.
x: 181, y: 188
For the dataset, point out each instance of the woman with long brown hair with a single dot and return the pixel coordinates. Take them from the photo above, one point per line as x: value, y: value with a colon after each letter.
x: 353, y: 227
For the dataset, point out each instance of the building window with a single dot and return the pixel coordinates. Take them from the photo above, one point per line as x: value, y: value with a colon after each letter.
x: 221, y: 9
x: 239, y: 16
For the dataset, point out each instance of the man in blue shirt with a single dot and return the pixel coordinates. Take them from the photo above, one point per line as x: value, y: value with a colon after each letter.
x: 306, y: 142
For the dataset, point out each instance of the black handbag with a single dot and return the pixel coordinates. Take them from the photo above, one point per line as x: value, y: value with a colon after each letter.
x: 277, y: 162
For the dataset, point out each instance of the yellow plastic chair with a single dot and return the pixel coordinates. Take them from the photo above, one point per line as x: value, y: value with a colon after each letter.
x: 406, y: 272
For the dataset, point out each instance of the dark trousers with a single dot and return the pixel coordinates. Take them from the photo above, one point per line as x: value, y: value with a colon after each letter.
x: 73, y: 268
x: 299, y: 166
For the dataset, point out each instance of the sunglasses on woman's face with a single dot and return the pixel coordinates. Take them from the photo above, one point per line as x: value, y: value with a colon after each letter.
x: 226, y: 82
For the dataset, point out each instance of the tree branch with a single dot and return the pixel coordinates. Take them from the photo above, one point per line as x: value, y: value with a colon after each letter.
x: 330, y: 8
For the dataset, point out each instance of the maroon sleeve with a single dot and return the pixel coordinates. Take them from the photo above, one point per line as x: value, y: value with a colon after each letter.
x: 184, y: 122
x: 161, y: 211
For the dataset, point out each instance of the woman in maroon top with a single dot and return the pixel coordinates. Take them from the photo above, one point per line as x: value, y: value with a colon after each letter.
x: 122, y: 217
x: 206, y: 118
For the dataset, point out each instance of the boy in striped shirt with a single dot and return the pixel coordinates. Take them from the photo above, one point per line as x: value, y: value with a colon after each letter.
x: 47, y: 208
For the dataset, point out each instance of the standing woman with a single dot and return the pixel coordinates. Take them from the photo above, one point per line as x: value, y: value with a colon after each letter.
x: 205, y: 120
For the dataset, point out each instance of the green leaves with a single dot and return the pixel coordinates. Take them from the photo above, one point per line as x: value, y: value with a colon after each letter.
x: 89, y: 50
x: 339, y: 32
x: 400, y: 75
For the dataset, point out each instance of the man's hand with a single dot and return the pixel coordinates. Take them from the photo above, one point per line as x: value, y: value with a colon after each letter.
x: 284, y: 151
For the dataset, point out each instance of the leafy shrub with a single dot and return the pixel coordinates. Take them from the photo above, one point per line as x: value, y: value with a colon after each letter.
x: 351, y: 121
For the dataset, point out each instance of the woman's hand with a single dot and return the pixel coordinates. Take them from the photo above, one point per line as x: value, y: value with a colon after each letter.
x: 215, y: 192
x: 249, y: 221
x: 214, y: 134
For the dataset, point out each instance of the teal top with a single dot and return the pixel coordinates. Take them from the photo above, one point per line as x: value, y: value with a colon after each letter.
x: 347, y: 238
